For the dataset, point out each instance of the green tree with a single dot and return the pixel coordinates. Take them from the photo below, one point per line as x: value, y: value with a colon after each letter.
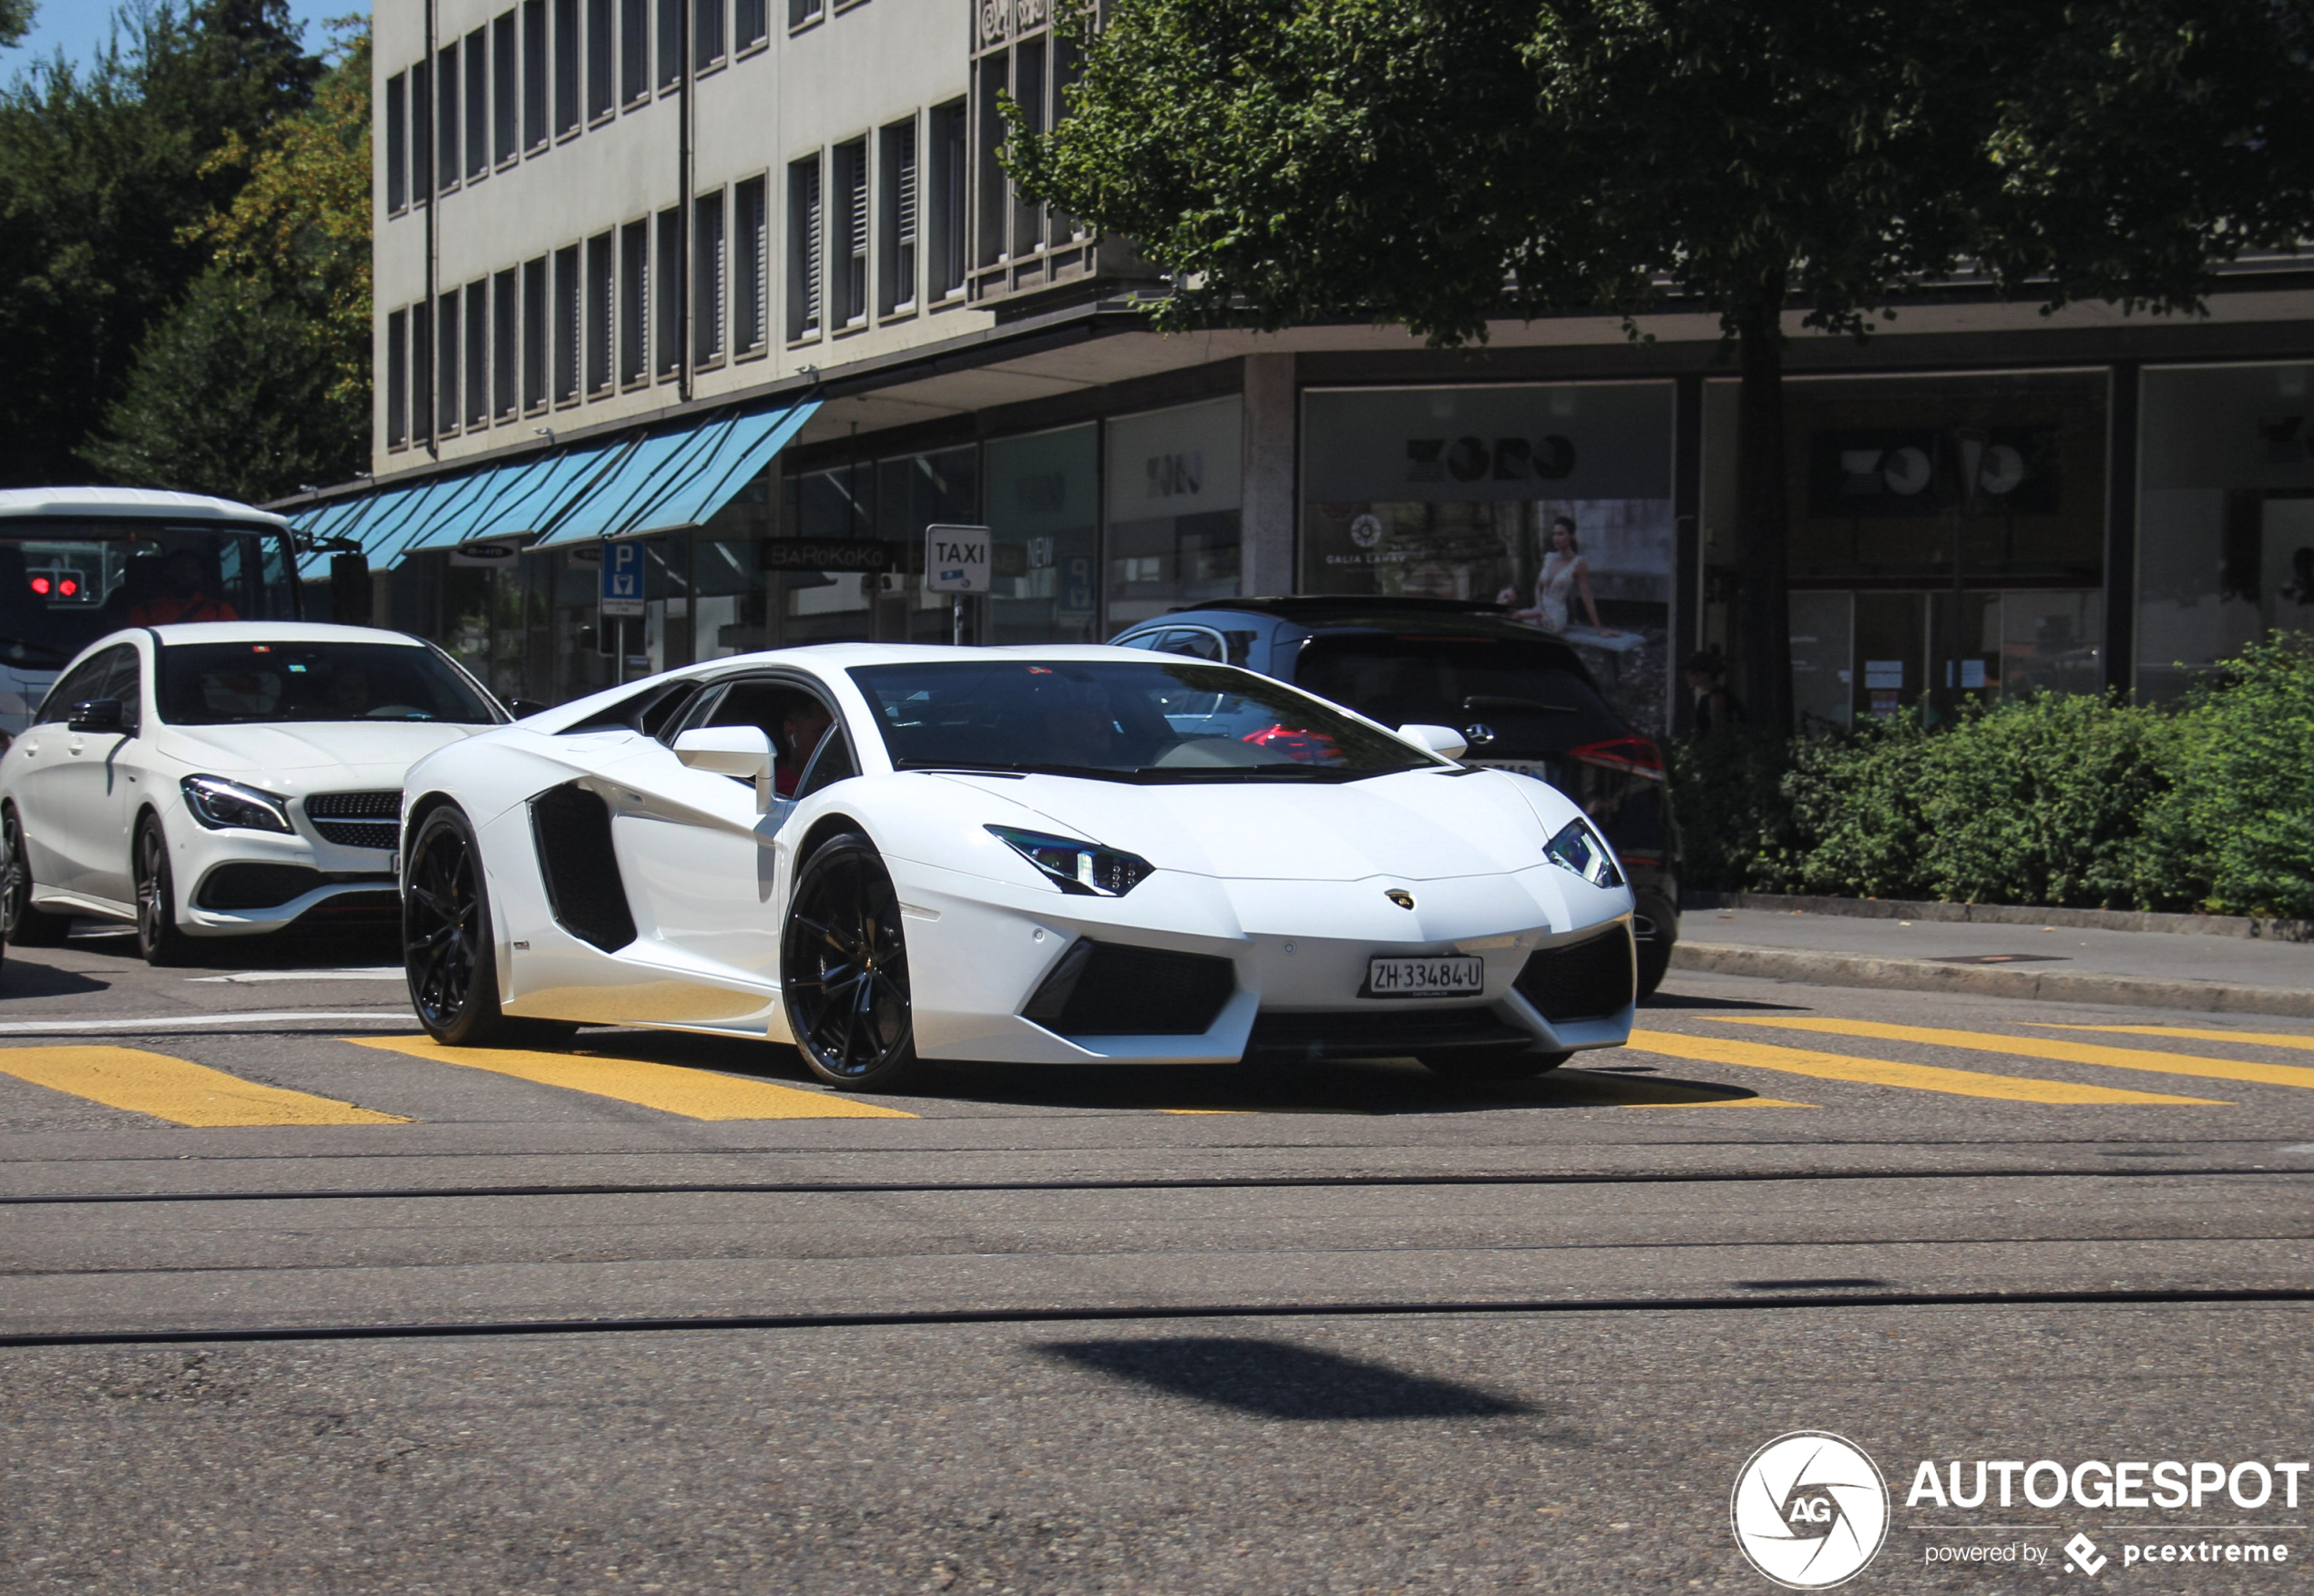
x: 102, y: 170
x: 16, y: 19
x: 291, y: 252
x: 1445, y: 162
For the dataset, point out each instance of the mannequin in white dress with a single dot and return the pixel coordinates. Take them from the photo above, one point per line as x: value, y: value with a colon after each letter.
x: 1565, y: 573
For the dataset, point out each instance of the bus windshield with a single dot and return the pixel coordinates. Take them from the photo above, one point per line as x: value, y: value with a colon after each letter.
x: 67, y: 581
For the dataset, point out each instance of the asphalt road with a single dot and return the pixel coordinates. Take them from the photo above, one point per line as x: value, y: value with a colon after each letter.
x: 291, y: 1301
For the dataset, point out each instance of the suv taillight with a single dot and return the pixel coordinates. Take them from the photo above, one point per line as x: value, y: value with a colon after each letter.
x: 1633, y: 756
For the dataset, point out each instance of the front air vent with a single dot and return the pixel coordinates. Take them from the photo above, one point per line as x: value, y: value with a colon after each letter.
x: 357, y: 819
x: 571, y: 828
x: 232, y: 888
x: 1107, y: 989
x: 1365, y: 1034
x: 1584, y: 980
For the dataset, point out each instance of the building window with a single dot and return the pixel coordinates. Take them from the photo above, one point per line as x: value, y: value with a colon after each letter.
x: 397, y: 141
x: 751, y: 264
x: 477, y: 56
x: 754, y: 22
x: 801, y: 13
x: 852, y: 222
x: 634, y: 302
x: 421, y: 373
x: 634, y: 50
x: 566, y: 324
x: 670, y: 43
x: 505, y: 326
x: 534, y: 333
x: 707, y: 278
x: 1029, y: 88
x: 1173, y: 490
x: 667, y: 294
x: 602, y: 324
x: 567, y: 45
x: 446, y: 363
x: 601, y: 94
x: 421, y: 134
x: 445, y: 78
x: 477, y: 314
x: 807, y: 251
x: 706, y: 33
x: 397, y: 379
x: 506, y: 127
x: 944, y: 221
x: 896, y: 270
x: 535, y: 57
x: 1043, y: 506
x: 989, y: 169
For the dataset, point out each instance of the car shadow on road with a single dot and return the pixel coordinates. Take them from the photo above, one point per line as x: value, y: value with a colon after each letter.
x: 1383, y: 1085
x: 315, y: 948
x: 1276, y: 1379
x: 1694, y: 1000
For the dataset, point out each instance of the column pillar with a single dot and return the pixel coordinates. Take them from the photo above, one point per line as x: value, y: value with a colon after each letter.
x: 1269, y: 514
x: 2121, y: 531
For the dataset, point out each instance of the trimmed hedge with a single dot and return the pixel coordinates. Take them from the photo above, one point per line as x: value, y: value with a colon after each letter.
x: 2070, y: 801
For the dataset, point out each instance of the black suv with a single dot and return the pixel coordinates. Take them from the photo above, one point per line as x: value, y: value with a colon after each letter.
x: 1522, y: 697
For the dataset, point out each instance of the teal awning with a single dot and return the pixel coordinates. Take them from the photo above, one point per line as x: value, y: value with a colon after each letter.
x: 647, y: 482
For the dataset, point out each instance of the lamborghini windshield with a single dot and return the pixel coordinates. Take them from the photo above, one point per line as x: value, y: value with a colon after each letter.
x: 1163, y: 721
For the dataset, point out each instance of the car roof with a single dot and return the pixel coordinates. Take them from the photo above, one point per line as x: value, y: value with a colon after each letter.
x: 129, y: 504
x: 1440, y: 619
x: 181, y: 634
x: 1312, y: 607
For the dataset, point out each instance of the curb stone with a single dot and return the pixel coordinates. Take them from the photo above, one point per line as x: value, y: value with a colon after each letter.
x: 1911, y: 975
x: 2007, y: 914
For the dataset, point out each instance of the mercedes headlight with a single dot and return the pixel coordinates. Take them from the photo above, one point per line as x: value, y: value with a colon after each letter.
x: 1579, y: 848
x: 221, y: 805
x: 1086, y: 869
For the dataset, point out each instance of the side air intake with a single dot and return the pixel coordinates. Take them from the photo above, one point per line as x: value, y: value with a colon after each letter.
x: 1106, y: 989
x: 1584, y: 980
x: 571, y: 828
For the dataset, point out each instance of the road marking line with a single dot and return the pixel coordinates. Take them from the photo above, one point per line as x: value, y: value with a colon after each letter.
x: 1883, y: 1072
x: 2254, y: 1039
x: 2143, y: 1058
x: 177, y: 1088
x: 40, y: 1027
x: 694, y: 1094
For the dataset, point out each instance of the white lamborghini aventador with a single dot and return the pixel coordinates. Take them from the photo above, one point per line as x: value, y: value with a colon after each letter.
x: 1074, y: 855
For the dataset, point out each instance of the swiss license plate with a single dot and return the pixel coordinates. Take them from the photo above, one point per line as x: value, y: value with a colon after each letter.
x: 1425, y: 977
x: 1517, y: 767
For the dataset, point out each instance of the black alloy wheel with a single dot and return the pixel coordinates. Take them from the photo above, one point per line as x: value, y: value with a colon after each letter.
x: 844, y: 969
x: 445, y: 936
x: 1491, y: 1064
x: 20, y: 923
x: 158, y: 938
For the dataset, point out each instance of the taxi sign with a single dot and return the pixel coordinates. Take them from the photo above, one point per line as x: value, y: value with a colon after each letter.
x: 956, y: 560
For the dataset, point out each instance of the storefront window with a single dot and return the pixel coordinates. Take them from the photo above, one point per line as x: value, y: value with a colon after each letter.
x: 2226, y: 521
x: 1907, y: 493
x: 912, y: 493
x: 828, y: 606
x: 1043, y: 509
x: 1555, y: 500
x: 1174, y: 487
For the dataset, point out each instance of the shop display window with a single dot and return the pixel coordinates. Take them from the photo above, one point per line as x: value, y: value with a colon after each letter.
x: 2225, y: 516
x: 1554, y: 500
x: 1174, y: 487
x: 1043, y: 510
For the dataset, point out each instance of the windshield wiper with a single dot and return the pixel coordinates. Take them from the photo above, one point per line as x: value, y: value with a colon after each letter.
x: 1484, y: 700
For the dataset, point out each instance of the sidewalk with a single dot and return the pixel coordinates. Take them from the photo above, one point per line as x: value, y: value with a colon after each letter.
x: 2155, y: 969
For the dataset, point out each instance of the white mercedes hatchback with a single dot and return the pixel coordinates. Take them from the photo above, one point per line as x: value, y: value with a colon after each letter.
x: 223, y: 779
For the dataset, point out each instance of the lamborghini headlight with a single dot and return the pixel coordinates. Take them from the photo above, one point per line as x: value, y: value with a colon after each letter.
x: 219, y: 805
x: 1087, y: 869
x: 1579, y: 848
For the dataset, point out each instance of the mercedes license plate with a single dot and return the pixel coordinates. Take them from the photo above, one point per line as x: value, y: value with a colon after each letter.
x: 1425, y: 977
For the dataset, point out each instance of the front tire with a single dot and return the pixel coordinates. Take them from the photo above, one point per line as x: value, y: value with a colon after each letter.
x: 1478, y: 1066
x: 447, y: 943
x: 158, y: 937
x: 20, y: 923
x: 844, y: 968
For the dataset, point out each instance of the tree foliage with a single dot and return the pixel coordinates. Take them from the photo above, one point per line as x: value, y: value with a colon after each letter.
x: 1446, y: 163
x: 16, y: 19
x: 102, y: 172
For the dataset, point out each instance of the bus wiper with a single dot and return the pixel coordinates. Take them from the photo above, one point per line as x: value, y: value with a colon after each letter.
x: 1480, y: 700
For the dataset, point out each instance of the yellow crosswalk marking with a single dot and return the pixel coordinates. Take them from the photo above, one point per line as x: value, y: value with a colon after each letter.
x: 2253, y: 1038
x: 2040, y: 1048
x: 177, y: 1088
x: 695, y: 1094
x: 1883, y: 1072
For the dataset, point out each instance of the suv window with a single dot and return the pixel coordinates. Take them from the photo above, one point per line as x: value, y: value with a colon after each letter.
x: 1525, y: 692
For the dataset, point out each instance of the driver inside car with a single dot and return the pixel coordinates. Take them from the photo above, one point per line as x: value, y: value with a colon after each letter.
x: 802, y: 725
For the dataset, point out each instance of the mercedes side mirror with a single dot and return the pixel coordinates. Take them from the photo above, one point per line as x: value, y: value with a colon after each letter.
x: 522, y: 708
x: 1443, y: 740
x: 96, y: 715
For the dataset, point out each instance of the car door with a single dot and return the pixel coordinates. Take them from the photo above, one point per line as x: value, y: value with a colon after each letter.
x: 51, y: 772
x: 696, y: 849
x: 80, y: 792
x: 116, y: 785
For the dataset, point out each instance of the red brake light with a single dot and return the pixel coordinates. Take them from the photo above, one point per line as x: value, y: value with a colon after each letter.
x: 1632, y: 755
x: 40, y: 586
